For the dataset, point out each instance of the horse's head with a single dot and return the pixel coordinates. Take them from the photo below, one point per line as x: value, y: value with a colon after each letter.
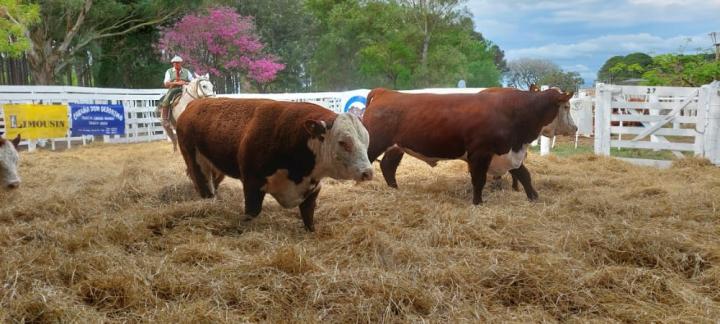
x: 202, y: 87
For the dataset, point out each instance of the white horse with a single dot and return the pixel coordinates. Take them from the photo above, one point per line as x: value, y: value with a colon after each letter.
x: 200, y: 87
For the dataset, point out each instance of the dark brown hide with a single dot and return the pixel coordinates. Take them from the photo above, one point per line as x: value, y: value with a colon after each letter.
x: 450, y: 126
x: 251, y: 139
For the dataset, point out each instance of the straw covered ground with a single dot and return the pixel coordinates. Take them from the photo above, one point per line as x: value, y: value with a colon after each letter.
x: 115, y: 233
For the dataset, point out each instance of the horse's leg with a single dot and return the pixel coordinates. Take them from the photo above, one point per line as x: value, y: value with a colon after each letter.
x: 169, y: 129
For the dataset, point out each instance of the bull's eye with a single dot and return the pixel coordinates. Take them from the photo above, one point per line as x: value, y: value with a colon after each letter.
x: 346, y: 146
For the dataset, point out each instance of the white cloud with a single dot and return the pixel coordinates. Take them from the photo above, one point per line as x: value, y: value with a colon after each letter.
x: 612, y: 45
x: 598, y: 12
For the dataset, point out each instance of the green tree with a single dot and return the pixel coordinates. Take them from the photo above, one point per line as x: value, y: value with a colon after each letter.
x: 524, y: 72
x: 130, y: 61
x: 429, y: 16
x: 68, y: 28
x: 13, y: 16
x: 567, y: 81
x: 621, y: 68
x: 377, y: 43
x: 289, y: 31
x: 682, y: 70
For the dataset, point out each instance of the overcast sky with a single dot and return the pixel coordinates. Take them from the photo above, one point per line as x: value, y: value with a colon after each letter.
x: 580, y: 35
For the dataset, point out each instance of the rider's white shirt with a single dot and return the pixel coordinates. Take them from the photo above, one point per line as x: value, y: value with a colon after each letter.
x: 169, y: 77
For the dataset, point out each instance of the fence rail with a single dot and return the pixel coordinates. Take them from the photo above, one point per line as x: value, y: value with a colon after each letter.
x: 675, y: 119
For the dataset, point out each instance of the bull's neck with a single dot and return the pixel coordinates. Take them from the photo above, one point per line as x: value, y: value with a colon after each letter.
x: 323, y: 160
x: 532, y: 120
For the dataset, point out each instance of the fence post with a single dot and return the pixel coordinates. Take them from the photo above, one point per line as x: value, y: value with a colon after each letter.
x: 603, y: 108
x: 712, y: 128
x: 654, y: 103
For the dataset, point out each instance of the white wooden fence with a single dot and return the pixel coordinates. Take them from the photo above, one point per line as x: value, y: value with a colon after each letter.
x: 142, y: 123
x: 676, y: 119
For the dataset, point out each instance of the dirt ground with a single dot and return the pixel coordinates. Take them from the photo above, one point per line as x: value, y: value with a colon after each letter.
x: 116, y: 233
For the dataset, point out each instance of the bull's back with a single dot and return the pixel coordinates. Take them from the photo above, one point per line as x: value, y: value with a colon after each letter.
x: 251, y: 134
x: 215, y: 128
x: 434, y: 125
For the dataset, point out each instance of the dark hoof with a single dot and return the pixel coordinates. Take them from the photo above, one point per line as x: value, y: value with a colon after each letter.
x: 533, y: 196
x: 310, y: 228
x: 248, y: 218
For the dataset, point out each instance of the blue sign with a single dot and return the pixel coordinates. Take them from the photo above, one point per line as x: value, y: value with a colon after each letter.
x: 356, y: 105
x: 97, y: 119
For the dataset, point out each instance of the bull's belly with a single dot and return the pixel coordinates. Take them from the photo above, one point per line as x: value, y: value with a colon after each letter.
x: 288, y: 193
x: 501, y: 164
x: 432, y: 161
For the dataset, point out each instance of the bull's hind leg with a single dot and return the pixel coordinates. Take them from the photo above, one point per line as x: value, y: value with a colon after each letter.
x: 212, y: 174
x: 523, y: 175
x: 195, y: 171
x: 389, y: 164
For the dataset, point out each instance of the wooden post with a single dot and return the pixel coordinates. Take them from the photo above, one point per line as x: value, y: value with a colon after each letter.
x: 603, y: 109
x: 654, y: 104
x: 712, y: 130
x: 544, y: 145
x: 701, y: 121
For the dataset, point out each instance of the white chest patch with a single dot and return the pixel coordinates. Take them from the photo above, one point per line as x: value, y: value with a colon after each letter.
x: 288, y: 193
x: 501, y: 164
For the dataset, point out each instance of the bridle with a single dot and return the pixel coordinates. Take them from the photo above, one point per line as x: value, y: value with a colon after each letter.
x: 199, y: 92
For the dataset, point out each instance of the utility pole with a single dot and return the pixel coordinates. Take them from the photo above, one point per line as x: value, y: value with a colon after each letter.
x: 716, y: 43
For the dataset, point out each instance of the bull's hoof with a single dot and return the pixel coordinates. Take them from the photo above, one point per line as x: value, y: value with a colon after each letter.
x: 248, y: 218
x: 310, y: 228
x: 533, y: 196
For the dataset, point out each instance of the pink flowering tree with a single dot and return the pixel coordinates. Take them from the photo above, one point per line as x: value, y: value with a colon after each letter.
x: 224, y: 44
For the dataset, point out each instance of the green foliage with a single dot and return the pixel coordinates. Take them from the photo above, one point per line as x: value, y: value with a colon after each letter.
x: 288, y: 30
x: 567, y: 81
x: 130, y: 61
x: 15, y: 17
x: 376, y: 43
x: 620, y: 68
x: 682, y: 70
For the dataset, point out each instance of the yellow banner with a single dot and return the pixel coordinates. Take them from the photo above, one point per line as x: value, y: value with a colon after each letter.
x: 34, y: 121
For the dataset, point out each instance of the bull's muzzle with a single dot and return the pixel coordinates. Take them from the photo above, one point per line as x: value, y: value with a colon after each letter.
x: 13, y: 185
x: 366, y: 175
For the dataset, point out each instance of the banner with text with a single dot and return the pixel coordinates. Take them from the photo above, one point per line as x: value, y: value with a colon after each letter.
x: 35, y: 121
x: 97, y: 119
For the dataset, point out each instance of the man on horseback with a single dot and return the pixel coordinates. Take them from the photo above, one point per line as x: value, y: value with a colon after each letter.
x: 175, y: 78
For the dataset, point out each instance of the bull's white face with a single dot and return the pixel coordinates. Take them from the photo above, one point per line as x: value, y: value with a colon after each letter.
x: 563, y: 124
x: 342, y: 153
x: 9, y: 160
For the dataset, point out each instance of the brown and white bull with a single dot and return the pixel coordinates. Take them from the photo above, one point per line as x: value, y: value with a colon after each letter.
x: 476, y: 128
x: 9, y: 161
x: 280, y: 148
x: 563, y: 124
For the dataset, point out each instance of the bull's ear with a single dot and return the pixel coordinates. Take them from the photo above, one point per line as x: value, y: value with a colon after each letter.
x: 316, y: 128
x: 567, y: 95
x: 534, y: 88
x: 16, y: 141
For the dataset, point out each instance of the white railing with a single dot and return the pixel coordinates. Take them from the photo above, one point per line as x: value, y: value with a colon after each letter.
x: 142, y: 123
x: 675, y: 119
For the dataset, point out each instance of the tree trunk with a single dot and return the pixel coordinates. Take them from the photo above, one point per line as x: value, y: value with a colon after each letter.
x: 42, y: 64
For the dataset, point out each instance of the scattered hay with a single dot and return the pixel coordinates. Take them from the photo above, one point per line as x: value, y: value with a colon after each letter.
x: 113, y: 237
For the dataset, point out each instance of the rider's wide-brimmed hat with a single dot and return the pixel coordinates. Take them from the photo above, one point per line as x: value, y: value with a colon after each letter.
x: 176, y: 59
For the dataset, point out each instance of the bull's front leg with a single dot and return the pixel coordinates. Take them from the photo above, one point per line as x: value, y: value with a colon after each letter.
x: 479, y: 165
x: 307, y: 210
x: 253, y: 198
